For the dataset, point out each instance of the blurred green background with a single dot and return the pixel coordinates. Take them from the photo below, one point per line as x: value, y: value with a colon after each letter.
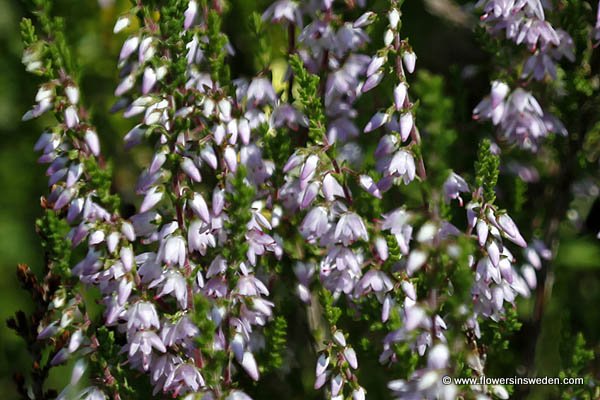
x: 443, y: 39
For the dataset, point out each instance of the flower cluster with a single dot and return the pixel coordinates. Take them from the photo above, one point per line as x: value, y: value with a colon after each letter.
x: 524, y: 22
x: 72, y: 150
x: 395, y: 162
x: 206, y: 164
x: 426, y: 383
x: 314, y: 179
x: 517, y: 113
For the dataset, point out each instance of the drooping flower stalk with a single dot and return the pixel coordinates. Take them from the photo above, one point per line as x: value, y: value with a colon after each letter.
x: 517, y: 113
x: 398, y: 119
x: 80, y: 197
x: 206, y: 188
x: 316, y: 179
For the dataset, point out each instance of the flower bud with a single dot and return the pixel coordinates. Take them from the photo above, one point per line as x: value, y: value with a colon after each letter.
x: 350, y: 356
x: 376, y: 121
x: 394, y: 18
x: 400, y: 95
x: 409, y: 58
x: 388, y: 37
x: 45, y: 92
x: 375, y: 64
x: 249, y: 365
x: 339, y: 338
x: 406, y: 125
x: 148, y: 80
x: 92, y: 141
x: 71, y: 117
x: 364, y: 20
x: 230, y: 159
x: 129, y: 47
x: 122, y: 23
x: 72, y: 93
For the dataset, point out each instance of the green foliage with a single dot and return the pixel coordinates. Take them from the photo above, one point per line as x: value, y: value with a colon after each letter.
x: 54, y: 39
x: 520, y: 195
x: 574, y: 18
x: 576, y: 359
x: 213, y: 361
x: 436, y: 118
x: 331, y: 312
x: 202, y: 307
x: 496, y: 335
x: 496, y: 340
x: 28, y: 34
x: 410, y: 358
x: 502, y: 52
x: 310, y: 99
x: 277, y: 146
x: 53, y: 230
x: 276, y: 338
x: 487, y: 168
x: 460, y: 278
x: 366, y: 205
x: 100, y: 179
x: 171, y: 27
x: 394, y: 253
x: 580, y: 254
x: 107, y: 362
x: 217, y: 42
x: 262, y: 55
x: 171, y: 18
x: 240, y: 200
x: 26, y: 326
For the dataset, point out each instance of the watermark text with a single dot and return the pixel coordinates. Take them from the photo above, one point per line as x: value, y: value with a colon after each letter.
x: 514, y: 380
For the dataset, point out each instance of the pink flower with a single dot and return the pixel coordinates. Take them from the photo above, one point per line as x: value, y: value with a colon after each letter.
x: 349, y: 229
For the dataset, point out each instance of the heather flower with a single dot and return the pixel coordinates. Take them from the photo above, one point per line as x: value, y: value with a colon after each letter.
x: 238, y: 395
x: 142, y: 315
x: 283, y: 10
x: 376, y: 121
x: 143, y: 342
x: 409, y: 58
x: 416, y: 260
x: 174, y: 283
x: 121, y: 23
x: 191, y: 14
x: 261, y: 91
x: 375, y: 281
x: 172, y: 251
x: 287, y: 115
x: 524, y: 23
x: 349, y: 229
x: 183, y: 378
x: 520, y: 118
x: 249, y: 364
x: 129, y: 47
x: 397, y: 222
x: 453, y: 186
x: 401, y: 165
x: 304, y: 272
x: 200, y: 237
x: 340, y: 269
